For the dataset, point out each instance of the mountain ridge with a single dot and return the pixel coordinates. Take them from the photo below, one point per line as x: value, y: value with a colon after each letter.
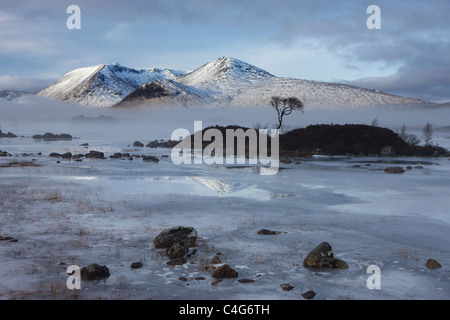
x: 224, y: 81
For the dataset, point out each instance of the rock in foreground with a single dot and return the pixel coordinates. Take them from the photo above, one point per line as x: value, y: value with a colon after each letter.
x: 433, y: 264
x: 94, y: 272
x: 322, y: 257
x: 167, y: 238
x: 309, y: 294
x: 225, y: 271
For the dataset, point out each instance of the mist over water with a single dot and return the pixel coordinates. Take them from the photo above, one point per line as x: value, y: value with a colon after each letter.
x: 38, y: 115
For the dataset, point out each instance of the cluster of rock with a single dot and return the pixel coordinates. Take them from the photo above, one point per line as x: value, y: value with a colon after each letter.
x: 100, y: 155
x: 162, y: 144
x: 400, y: 169
x: 52, y: 137
x: 7, y: 135
x: 177, y: 242
x: 68, y: 155
x: 156, y: 144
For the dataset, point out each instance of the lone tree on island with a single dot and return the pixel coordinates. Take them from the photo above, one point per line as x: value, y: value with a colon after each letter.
x: 285, y: 106
x: 427, y: 134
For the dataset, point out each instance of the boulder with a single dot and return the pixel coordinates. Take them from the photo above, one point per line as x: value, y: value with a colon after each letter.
x: 150, y: 158
x: 322, y: 257
x: 55, y: 155
x: 169, y: 237
x: 394, y: 170
x: 387, y: 151
x: 95, y: 155
x: 286, y: 287
x: 224, y: 271
x: 431, y: 263
x: 94, y: 272
x: 136, y: 265
x: 119, y: 155
x: 153, y: 144
x: 138, y: 144
x: 309, y: 294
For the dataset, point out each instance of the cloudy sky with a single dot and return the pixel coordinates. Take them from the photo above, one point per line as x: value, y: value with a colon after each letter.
x: 323, y: 40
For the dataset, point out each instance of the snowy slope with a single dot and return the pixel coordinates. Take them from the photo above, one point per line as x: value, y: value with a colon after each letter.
x: 311, y: 93
x: 103, y: 85
x: 236, y: 83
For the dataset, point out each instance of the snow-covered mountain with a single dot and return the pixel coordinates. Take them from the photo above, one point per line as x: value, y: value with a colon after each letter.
x: 224, y: 81
x: 103, y: 85
x: 224, y: 70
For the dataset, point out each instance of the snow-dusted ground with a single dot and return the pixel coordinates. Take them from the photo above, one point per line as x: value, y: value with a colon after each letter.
x: 109, y: 211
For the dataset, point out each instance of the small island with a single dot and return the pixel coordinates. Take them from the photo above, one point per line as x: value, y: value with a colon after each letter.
x: 52, y: 137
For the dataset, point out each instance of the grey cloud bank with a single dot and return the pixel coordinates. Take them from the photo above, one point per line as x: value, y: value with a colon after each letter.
x: 408, y: 56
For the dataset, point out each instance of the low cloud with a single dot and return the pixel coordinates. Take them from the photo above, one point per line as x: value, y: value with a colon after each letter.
x: 8, y: 82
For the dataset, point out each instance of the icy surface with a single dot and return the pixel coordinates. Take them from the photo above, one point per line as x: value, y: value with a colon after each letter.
x: 109, y: 211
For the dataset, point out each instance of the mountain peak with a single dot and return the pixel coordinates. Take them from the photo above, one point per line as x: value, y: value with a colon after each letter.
x: 224, y: 68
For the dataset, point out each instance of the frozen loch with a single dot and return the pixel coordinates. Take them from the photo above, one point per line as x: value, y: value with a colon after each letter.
x: 108, y: 211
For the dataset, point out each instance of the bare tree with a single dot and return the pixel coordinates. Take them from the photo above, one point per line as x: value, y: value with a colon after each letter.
x: 427, y: 134
x: 284, y: 107
x: 410, y: 139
